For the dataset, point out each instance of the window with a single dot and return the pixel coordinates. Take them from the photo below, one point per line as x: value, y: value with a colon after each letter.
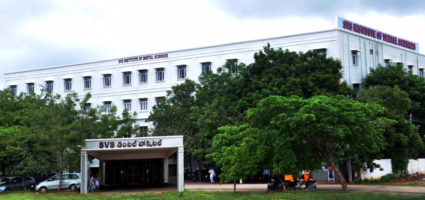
x: 143, y: 76
x: 321, y: 51
x: 107, y: 105
x: 160, y: 74
x: 127, y: 104
x: 126, y: 78
x: 232, y: 63
x: 181, y: 72
x: 143, y: 104
x: 30, y: 88
x: 356, y: 87
x: 410, y: 67
x: 421, y: 72
x: 387, y: 62
x: 371, y: 51
x: 74, y: 176
x: 355, y: 57
x: 143, y: 130
x: 68, y: 84
x: 87, y: 82
x: 159, y: 99
x: 49, y: 86
x: 14, y: 89
x: 206, y: 67
x: 107, y: 80
x: 87, y: 107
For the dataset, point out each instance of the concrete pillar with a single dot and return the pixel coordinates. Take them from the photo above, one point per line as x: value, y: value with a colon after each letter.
x: 101, y: 172
x: 84, y: 172
x: 166, y: 170
x: 180, y: 169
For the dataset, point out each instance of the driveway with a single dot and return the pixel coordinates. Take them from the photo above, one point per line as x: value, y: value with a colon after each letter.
x: 263, y: 187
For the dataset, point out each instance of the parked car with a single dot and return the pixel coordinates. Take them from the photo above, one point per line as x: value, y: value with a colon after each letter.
x: 69, y: 181
x: 15, y: 183
x: 4, y: 179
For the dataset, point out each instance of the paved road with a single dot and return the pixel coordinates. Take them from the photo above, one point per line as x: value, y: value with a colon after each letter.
x: 262, y: 187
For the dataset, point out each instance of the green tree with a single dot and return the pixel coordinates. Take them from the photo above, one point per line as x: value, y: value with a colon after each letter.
x: 402, y: 140
x: 395, y: 75
x: 332, y: 125
x: 239, y: 152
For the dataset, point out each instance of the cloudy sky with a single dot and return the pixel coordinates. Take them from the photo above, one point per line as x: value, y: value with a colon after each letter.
x: 41, y: 33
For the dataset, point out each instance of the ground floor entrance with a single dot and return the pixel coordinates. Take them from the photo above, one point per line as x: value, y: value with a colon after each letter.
x: 147, y: 162
x: 142, y: 173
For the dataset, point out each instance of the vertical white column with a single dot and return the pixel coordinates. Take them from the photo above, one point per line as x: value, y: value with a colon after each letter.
x: 180, y: 169
x: 166, y: 170
x: 84, y: 172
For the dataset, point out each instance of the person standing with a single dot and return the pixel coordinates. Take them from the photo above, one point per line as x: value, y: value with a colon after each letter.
x: 212, y: 174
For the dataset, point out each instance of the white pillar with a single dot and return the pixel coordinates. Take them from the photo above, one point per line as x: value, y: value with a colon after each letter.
x: 84, y: 172
x: 180, y: 169
x: 166, y: 170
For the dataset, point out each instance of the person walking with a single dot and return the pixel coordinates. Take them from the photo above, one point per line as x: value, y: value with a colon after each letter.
x: 212, y: 174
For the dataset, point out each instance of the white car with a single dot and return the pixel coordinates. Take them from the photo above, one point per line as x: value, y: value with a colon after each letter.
x: 69, y: 181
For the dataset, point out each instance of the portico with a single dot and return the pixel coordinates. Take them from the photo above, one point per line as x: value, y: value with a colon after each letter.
x: 133, y: 161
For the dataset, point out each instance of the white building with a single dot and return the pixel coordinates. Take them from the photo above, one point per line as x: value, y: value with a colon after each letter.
x: 135, y: 82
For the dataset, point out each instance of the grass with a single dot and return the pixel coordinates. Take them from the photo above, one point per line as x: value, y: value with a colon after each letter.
x: 199, y: 195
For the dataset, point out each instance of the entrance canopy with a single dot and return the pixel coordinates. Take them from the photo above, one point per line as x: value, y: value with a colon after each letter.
x: 134, y: 148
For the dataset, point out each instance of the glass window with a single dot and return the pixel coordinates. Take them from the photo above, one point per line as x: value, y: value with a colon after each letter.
x: 49, y: 86
x: 355, y: 58
x: 206, y: 67
x: 410, y: 67
x: 181, y: 72
x: 14, y: 88
x: 68, y: 84
x: 87, y: 82
x: 143, y: 130
x: 143, y: 76
x: 321, y: 51
x: 127, y: 104
x: 74, y: 176
x: 143, y: 104
x: 126, y: 78
x: 30, y: 88
x: 160, y: 74
x: 421, y: 72
x: 387, y: 62
x: 108, y: 106
x: 107, y: 80
x: 87, y: 107
x: 232, y: 63
x: 159, y: 99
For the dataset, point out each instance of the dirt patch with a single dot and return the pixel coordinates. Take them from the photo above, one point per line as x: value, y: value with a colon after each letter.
x: 417, y: 179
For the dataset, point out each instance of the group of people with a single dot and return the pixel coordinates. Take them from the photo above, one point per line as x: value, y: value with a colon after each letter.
x: 93, y: 184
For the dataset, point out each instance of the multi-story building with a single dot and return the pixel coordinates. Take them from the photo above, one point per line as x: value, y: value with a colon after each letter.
x: 134, y: 83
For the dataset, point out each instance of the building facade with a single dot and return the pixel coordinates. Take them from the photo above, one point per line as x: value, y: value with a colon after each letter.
x: 134, y: 83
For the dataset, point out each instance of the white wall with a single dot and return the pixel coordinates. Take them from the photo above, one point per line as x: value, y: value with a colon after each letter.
x: 415, y: 166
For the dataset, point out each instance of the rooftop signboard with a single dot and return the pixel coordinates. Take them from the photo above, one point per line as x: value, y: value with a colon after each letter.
x: 376, y: 34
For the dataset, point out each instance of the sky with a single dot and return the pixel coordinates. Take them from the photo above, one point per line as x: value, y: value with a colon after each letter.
x: 42, y: 33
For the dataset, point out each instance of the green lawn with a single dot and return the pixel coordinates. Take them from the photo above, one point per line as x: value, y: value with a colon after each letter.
x: 293, y: 195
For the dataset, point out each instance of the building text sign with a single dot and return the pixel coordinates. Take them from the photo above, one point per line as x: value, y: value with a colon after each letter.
x: 378, y: 35
x: 107, y: 144
x: 143, y: 58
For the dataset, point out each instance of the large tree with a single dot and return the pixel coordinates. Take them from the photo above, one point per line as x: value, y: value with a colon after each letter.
x: 395, y: 75
x: 331, y: 126
x: 402, y: 140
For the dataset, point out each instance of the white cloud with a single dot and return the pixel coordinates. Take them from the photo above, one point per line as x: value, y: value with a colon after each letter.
x: 42, y: 33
